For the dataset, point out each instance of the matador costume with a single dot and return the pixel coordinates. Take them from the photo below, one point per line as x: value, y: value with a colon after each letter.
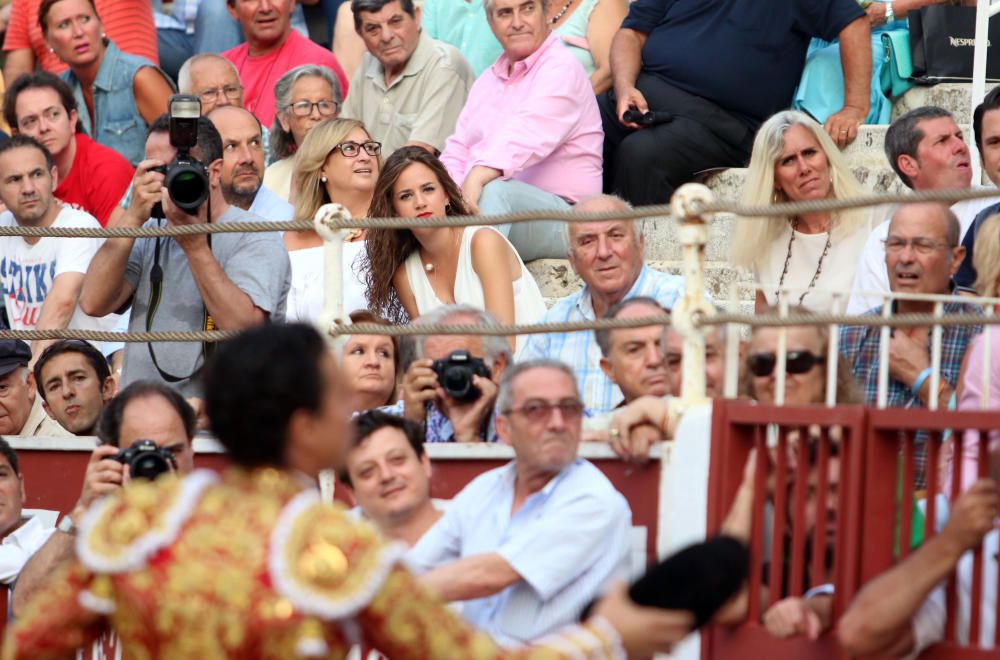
x: 251, y: 564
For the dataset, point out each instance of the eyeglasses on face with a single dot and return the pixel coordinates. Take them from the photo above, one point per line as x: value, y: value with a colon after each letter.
x: 762, y: 365
x: 540, y: 411
x: 895, y: 245
x: 350, y: 149
x: 232, y: 93
x: 305, y: 108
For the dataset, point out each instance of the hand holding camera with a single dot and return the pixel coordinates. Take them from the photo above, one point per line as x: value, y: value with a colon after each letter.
x: 419, y: 389
x: 465, y: 394
x: 110, y: 468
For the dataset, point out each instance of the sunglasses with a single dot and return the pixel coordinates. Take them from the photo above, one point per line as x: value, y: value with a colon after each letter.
x: 796, y: 362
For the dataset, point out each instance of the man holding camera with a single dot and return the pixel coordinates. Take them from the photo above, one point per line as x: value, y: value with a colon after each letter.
x: 452, y: 385
x: 143, y: 411
x: 227, y: 281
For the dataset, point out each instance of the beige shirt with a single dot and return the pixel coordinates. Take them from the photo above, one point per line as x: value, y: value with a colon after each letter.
x: 40, y: 425
x: 278, y: 177
x: 421, y: 105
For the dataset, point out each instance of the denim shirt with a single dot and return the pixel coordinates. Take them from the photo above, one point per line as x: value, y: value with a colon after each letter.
x: 117, y: 122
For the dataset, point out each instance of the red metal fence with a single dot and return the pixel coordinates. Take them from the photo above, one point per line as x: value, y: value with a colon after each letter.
x: 876, y: 517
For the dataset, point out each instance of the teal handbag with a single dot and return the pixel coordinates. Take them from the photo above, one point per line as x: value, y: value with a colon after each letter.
x: 898, y: 67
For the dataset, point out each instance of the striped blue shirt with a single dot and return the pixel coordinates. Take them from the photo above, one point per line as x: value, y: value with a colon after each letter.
x: 566, y: 542
x: 579, y: 350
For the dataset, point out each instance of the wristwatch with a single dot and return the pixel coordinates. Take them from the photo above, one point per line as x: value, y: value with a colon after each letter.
x: 890, y: 16
x: 66, y: 525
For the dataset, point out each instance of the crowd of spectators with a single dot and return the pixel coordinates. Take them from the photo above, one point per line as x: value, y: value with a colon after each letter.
x: 456, y: 107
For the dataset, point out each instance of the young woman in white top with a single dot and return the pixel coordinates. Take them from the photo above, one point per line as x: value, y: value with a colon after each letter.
x: 337, y: 162
x: 794, y: 160
x: 410, y: 272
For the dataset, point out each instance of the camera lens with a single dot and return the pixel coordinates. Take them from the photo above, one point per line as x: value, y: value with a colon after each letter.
x: 187, y: 185
x: 148, y: 465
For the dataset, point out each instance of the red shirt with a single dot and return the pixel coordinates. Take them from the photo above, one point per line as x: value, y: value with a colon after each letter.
x: 129, y: 23
x: 97, y: 181
x: 259, y: 74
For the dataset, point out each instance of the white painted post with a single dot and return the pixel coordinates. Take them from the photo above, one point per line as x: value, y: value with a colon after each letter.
x: 883, y: 355
x: 732, y: 377
x: 936, y: 334
x: 832, y: 349
x: 694, y: 236
x: 326, y: 221
x: 780, y: 375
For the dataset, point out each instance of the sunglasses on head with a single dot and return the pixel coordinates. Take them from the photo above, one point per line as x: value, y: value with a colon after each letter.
x: 796, y: 362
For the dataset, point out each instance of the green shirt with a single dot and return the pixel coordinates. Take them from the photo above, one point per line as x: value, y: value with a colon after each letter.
x: 462, y: 23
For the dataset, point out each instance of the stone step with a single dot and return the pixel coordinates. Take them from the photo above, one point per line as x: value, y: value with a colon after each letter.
x: 953, y: 97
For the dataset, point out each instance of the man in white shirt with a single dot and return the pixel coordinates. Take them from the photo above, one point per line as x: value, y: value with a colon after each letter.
x: 42, y: 277
x: 243, y: 164
x: 927, y: 150
x: 20, y: 537
x: 528, y: 545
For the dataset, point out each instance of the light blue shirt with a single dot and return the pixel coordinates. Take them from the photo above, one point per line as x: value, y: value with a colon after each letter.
x: 566, y: 542
x: 462, y: 23
x: 271, y: 207
x: 579, y: 350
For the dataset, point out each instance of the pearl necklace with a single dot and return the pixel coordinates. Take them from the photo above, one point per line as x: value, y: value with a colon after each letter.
x: 562, y: 12
x: 788, y: 258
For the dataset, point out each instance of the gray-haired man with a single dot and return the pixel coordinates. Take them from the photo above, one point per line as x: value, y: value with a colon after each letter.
x: 448, y: 418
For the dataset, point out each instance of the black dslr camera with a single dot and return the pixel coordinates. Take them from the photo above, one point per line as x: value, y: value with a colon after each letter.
x: 186, y: 177
x: 146, y: 461
x: 455, y: 374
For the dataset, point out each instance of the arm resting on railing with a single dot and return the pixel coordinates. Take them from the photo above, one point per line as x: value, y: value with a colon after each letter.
x: 879, y: 621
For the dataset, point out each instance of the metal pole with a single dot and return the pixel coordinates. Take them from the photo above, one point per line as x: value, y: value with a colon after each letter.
x: 326, y: 219
x: 694, y: 236
x: 979, y: 72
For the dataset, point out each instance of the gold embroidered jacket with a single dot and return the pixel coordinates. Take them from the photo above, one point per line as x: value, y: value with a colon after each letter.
x: 249, y: 566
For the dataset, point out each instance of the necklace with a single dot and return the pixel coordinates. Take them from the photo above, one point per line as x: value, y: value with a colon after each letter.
x: 788, y: 258
x: 562, y: 12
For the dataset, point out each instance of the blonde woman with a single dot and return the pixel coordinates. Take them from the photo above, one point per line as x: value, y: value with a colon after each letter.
x: 794, y: 160
x: 337, y: 162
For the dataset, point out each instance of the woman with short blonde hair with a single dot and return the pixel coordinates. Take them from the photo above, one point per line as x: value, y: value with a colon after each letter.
x: 338, y: 162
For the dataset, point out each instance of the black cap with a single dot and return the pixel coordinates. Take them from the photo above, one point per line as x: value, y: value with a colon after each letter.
x: 14, y: 353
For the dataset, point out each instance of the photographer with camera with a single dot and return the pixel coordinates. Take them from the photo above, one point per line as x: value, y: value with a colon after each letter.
x: 227, y: 281
x: 452, y: 385
x: 146, y: 430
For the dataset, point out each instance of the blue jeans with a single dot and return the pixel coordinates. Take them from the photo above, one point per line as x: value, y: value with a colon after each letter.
x: 537, y: 239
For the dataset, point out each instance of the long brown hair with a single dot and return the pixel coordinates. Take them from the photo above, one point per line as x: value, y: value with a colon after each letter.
x: 387, y: 249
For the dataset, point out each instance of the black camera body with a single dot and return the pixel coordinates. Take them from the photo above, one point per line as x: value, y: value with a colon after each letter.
x: 146, y: 461
x: 186, y: 178
x: 455, y: 374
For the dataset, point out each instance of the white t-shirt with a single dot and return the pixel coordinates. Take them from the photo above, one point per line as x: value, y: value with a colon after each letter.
x: 871, y: 274
x: 28, y: 272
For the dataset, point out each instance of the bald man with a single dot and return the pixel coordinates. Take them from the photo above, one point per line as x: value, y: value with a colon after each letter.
x: 243, y: 164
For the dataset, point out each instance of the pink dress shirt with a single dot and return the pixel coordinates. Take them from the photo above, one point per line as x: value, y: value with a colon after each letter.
x: 539, y: 124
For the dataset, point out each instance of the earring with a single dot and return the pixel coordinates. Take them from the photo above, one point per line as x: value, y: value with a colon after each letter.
x: 322, y: 178
x: 104, y: 35
x: 51, y: 49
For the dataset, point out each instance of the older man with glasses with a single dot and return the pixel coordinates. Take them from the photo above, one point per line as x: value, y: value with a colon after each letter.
x: 528, y: 545
x: 922, y: 254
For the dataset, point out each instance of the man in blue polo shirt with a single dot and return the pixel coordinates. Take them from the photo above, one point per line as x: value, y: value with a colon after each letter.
x: 711, y: 72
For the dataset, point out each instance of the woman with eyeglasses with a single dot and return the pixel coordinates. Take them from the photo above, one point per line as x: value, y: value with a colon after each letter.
x: 337, y: 162
x: 117, y: 95
x: 304, y: 97
x: 805, y: 365
x: 811, y: 254
x: 409, y: 272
